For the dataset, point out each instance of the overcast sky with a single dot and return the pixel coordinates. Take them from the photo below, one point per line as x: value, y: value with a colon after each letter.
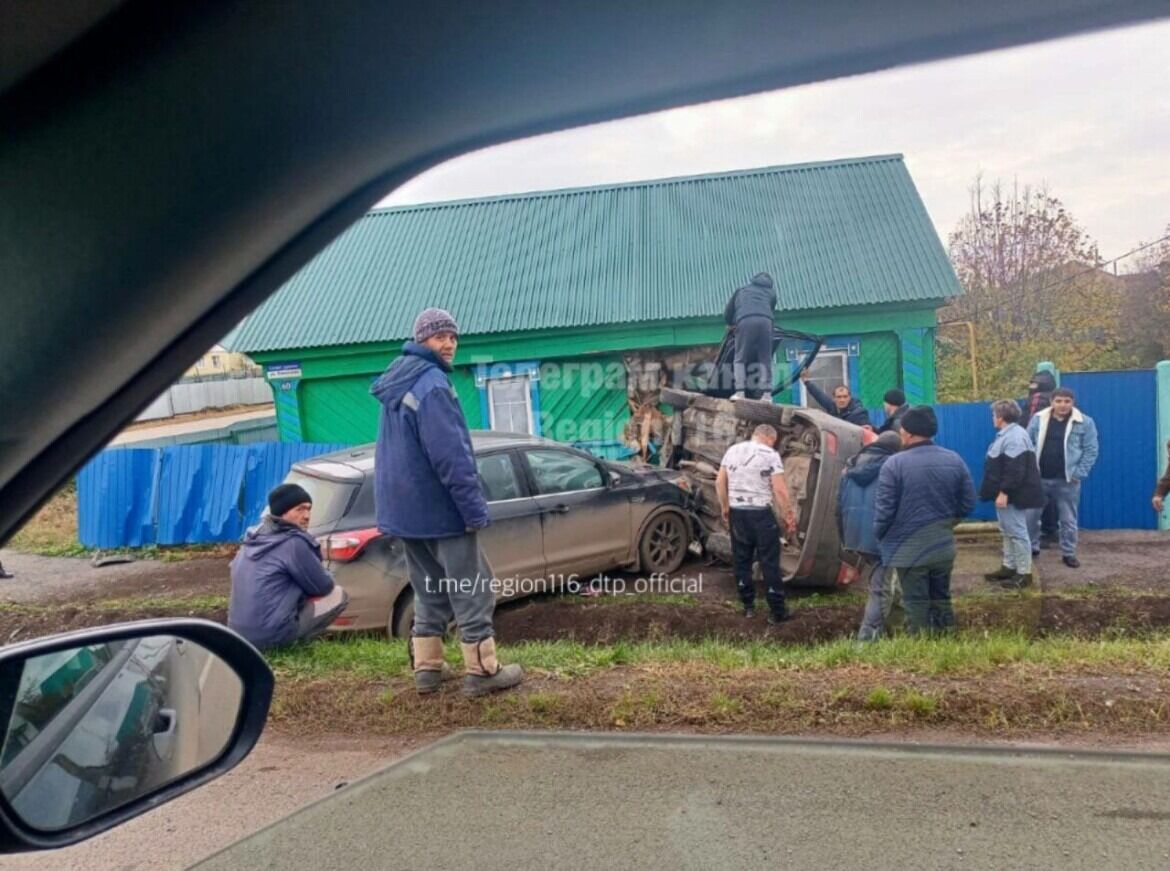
x: 1089, y: 116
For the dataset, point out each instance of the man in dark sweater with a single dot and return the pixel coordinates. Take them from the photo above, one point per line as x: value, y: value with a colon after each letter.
x: 751, y: 311
x: 923, y: 492
x: 895, y: 406
x: 281, y: 592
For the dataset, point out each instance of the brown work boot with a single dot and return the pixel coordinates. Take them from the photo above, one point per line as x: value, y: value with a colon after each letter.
x: 426, y: 660
x: 484, y: 672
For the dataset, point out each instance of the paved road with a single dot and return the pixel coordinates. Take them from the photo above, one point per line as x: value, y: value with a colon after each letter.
x: 279, y: 777
x: 516, y: 802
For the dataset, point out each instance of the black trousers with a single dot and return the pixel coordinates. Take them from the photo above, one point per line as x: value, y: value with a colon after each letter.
x: 755, y: 535
x: 753, y: 357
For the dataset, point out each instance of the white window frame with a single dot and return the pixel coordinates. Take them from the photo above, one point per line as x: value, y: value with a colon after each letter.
x: 841, y: 354
x: 523, y: 377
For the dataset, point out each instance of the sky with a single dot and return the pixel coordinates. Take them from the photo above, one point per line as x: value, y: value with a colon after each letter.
x: 1088, y: 116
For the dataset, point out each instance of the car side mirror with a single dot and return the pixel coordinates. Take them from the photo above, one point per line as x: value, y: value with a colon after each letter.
x: 614, y: 478
x: 101, y: 725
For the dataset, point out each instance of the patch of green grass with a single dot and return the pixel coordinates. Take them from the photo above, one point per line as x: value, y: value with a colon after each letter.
x: 166, y: 604
x: 544, y: 703
x: 723, y: 705
x: 919, y: 704
x: 879, y: 699
x: 962, y: 654
x: 179, y: 604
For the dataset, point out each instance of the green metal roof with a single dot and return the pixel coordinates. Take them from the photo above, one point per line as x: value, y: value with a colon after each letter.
x: 839, y: 233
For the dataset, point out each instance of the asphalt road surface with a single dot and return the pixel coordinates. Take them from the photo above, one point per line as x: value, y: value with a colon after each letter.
x: 517, y: 801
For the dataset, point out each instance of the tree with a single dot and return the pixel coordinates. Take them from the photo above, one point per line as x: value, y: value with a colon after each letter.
x: 1032, y: 289
x: 1145, y: 311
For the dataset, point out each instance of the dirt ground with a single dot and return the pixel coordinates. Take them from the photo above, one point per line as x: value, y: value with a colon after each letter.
x: 1124, y: 581
x: 1129, y: 569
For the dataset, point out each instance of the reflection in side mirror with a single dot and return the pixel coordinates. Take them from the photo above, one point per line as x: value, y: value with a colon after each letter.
x: 94, y: 727
x: 614, y: 478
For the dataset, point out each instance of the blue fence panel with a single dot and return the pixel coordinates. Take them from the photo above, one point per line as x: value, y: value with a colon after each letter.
x: 266, y: 466
x: 1116, y: 494
x: 116, y: 498
x: 183, y: 494
x: 967, y: 430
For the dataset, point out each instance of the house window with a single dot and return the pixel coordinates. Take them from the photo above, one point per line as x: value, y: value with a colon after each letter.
x: 829, y: 370
x: 215, y: 361
x: 510, y: 403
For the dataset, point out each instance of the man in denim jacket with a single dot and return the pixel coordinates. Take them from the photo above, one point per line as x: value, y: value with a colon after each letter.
x: 1066, y: 448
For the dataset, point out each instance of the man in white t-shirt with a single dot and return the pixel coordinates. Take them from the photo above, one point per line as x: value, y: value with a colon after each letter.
x: 751, y: 479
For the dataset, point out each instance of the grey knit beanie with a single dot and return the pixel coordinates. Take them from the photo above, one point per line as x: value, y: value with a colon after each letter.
x: 433, y: 321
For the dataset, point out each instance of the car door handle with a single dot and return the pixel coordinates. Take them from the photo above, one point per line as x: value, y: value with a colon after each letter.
x: 560, y: 508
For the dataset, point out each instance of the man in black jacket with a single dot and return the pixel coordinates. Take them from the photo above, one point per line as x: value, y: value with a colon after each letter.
x: 842, y: 405
x: 1011, y: 477
x: 895, y: 406
x: 751, y: 311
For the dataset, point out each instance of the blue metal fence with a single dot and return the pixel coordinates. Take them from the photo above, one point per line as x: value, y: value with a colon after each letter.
x: 1122, y: 405
x: 130, y: 497
x: 206, y: 493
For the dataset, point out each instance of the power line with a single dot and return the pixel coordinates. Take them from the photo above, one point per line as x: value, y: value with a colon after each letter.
x: 1103, y: 263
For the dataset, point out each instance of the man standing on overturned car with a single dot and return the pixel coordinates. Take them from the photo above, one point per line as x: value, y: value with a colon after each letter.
x: 923, y: 492
x: 750, y: 479
x: 427, y: 492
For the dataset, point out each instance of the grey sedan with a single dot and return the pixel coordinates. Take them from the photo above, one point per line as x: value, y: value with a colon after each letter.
x: 559, y: 516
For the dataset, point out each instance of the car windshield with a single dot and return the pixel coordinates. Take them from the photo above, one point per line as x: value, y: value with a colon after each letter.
x: 898, y: 345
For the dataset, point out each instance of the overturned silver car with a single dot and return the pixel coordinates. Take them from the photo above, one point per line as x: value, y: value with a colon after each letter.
x: 814, y: 446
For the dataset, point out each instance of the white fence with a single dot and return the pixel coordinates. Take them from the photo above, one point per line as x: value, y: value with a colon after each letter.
x: 191, y: 396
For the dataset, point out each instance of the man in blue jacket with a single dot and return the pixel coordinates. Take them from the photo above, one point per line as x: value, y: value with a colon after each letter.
x: 281, y: 592
x: 751, y: 311
x: 1066, y: 446
x: 427, y: 492
x: 923, y: 492
x: 855, y: 513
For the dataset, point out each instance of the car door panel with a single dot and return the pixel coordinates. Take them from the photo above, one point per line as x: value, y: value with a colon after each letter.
x: 586, y: 521
x: 513, y: 541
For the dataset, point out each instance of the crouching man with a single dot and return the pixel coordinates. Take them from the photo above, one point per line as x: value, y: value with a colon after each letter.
x: 281, y: 592
x: 428, y: 493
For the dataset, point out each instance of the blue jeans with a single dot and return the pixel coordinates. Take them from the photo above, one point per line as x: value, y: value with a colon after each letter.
x: 882, y: 593
x: 1067, y: 498
x: 1015, y: 524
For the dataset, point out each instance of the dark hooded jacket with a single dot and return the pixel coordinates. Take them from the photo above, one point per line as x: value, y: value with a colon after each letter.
x: 757, y: 299
x: 425, y: 484
x: 1011, y: 468
x: 854, y: 412
x: 858, y: 490
x: 894, y: 421
x: 278, y: 566
x: 1039, y: 397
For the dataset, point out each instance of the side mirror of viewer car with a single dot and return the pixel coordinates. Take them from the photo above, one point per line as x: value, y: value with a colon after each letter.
x: 102, y: 725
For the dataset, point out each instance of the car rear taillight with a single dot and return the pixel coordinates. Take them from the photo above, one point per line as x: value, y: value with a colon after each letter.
x: 847, y: 574
x: 831, y: 443
x: 344, y: 547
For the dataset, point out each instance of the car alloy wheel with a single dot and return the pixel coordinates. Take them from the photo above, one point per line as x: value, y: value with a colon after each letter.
x: 664, y: 544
